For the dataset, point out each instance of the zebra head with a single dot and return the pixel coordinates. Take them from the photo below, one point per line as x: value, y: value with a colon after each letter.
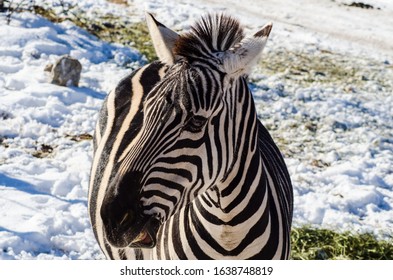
x: 188, y: 143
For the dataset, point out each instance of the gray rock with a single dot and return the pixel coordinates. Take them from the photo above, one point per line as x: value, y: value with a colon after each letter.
x: 66, y: 71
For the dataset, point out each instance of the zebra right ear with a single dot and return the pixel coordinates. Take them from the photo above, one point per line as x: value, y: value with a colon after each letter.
x: 163, y: 39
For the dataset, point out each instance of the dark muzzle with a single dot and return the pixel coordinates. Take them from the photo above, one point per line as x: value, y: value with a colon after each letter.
x: 124, y: 223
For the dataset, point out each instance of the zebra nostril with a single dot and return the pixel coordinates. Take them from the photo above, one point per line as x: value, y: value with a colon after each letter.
x: 128, y: 219
x: 124, y: 219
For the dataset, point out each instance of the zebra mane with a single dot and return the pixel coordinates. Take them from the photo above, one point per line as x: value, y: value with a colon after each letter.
x: 212, y: 33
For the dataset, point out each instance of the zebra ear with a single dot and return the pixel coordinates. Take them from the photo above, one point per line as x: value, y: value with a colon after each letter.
x: 163, y: 39
x: 239, y: 59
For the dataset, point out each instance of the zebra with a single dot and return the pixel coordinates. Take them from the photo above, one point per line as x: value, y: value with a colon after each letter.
x: 182, y: 167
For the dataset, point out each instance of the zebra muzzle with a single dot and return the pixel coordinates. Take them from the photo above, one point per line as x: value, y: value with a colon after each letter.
x: 125, y: 224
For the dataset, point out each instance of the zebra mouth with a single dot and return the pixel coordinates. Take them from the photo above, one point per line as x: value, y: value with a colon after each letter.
x: 143, y: 238
x: 146, y: 238
x: 132, y: 231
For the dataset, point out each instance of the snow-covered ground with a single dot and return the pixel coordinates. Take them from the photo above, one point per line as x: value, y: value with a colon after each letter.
x: 334, y: 127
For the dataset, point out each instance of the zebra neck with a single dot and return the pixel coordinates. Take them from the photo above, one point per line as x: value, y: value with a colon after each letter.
x: 239, y: 201
x: 231, y: 197
x: 228, y: 215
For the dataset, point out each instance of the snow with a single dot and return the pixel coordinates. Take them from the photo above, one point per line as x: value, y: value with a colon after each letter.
x: 337, y: 137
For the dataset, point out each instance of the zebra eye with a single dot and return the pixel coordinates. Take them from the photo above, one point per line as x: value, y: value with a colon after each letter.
x: 195, y: 124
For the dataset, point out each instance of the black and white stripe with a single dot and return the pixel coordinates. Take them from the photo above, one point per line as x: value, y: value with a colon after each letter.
x: 183, y: 169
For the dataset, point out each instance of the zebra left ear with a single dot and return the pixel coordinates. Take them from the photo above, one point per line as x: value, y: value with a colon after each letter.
x: 239, y: 59
x: 163, y: 39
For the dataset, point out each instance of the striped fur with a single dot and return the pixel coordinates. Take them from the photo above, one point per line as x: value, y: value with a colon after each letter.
x: 185, y: 141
